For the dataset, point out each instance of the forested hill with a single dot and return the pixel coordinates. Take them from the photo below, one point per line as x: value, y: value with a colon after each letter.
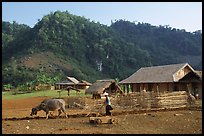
x: 62, y: 44
x: 164, y: 44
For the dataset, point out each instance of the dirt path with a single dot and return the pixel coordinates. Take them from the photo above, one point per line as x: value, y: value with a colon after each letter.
x: 165, y: 122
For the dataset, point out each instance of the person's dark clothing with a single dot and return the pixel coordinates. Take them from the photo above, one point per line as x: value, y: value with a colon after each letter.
x: 108, y: 109
x: 108, y: 106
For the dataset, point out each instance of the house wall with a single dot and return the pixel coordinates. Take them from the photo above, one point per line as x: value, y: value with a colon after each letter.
x: 183, y: 87
x: 160, y: 87
x: 200, y: 90
x: 181, y: 73
x: 60, y: 87
x: 193, y: 87
x: 170, y: 87
x: 82, y: 86
x: 134, y: 88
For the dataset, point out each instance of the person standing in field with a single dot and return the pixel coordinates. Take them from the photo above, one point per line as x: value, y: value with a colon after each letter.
x: 108, y: 105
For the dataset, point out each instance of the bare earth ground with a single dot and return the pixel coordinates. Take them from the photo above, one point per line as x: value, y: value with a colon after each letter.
x: 161, y: 122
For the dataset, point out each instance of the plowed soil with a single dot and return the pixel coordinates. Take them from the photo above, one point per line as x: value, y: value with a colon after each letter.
x: 16, y: 119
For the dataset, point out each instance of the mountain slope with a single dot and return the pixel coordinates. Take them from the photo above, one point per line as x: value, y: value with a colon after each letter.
x: 164, y: 44
x: 75, y: 46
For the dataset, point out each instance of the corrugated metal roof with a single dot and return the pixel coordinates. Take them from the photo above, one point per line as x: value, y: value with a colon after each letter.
x: 155, y: 74
x: 85, y: 82
x: 65, y: 83
x: 72, y: 79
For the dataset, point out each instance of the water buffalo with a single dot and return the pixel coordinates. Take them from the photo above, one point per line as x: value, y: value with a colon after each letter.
x: 50, y: 105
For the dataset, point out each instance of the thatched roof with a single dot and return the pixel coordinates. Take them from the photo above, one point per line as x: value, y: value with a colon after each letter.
x: 99, y: 86
x: 155, y: 74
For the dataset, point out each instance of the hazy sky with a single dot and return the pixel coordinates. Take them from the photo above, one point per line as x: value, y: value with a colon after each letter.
x: 180, y: 15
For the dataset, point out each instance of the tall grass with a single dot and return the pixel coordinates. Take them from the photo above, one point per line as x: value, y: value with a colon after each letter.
x: 44, y: 93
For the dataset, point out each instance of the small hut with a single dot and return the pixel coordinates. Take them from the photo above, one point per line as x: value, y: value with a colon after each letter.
x: 83, y: 85
x: 72, y: 82
x: 101, y: 86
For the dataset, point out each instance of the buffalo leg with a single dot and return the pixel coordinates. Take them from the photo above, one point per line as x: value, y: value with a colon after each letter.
x: 47, y: 114
x: 59, y: 111
x: 63, y: 110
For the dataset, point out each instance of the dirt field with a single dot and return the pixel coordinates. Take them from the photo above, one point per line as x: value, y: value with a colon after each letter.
x: 16, y: 120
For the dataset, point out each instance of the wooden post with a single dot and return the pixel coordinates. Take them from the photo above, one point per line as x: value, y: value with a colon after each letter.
x: 59, y: 91
x: 188, y: 88
x: 128, y: 88
x: 131, y: 86
x: 178, y: 86
x: 168, y: 87
x: 68, y: 91
x: 157, y: 87
x: 140, y: 88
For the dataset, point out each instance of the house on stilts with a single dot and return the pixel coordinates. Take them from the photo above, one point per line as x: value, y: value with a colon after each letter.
x: 164, y: 79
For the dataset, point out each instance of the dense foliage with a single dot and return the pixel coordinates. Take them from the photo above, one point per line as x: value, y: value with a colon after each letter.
x: 89, y: 50
x: 164, y: 44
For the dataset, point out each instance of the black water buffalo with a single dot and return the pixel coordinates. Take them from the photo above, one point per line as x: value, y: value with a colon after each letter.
x: 50, y: 105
